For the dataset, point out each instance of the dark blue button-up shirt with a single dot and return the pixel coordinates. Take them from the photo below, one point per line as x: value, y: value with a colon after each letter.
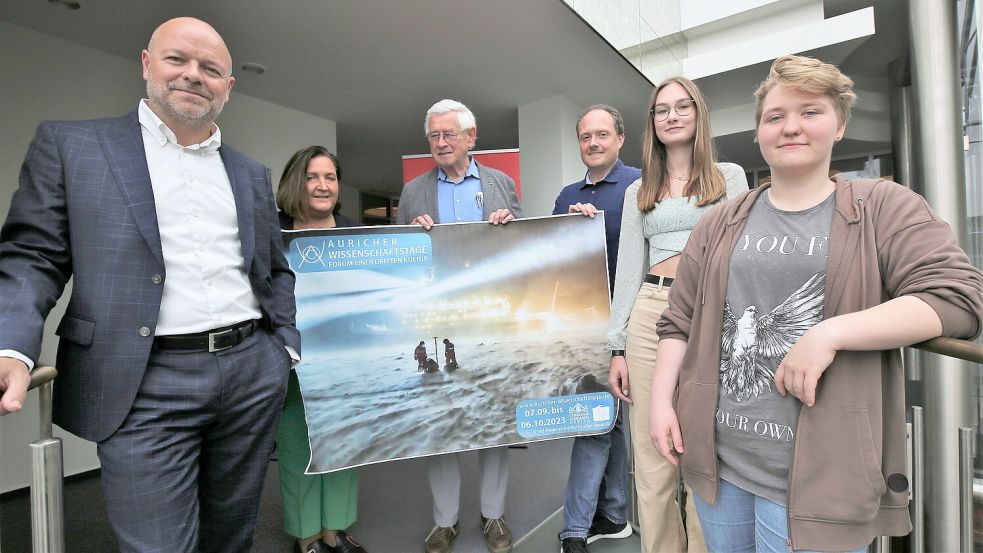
x: 608, y: 195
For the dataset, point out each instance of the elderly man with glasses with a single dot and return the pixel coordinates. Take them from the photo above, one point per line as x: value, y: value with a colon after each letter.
x: 459, y: 189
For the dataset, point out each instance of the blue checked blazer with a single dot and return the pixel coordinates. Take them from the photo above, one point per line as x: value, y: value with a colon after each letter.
x: 85, y: 209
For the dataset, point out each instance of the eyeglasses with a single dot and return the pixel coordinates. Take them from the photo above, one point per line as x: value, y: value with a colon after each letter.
x: 682, y: 107
x: 449, y: 136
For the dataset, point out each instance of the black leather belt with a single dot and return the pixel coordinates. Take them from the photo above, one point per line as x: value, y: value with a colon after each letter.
x: 209, y: 340
x: 665, y: 282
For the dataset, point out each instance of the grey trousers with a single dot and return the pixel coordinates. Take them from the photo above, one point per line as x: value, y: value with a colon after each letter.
x: 184, y: 473
x: 445, y: 484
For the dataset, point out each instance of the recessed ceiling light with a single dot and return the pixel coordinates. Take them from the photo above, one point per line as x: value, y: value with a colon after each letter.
x: 68, y: 4
x: 251, y: 67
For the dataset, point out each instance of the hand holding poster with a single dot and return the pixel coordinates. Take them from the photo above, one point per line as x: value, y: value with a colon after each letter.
x: 468, y: 336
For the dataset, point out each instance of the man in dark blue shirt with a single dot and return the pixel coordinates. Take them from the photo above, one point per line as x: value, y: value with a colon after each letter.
x: 595, y: 504
x: 601, y: 133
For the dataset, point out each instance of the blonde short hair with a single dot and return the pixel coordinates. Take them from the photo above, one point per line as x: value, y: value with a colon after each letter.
x: 808, y: 75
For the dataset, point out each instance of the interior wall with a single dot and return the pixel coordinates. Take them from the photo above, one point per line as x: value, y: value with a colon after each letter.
x: 549, y: 152
x: 45, y: 77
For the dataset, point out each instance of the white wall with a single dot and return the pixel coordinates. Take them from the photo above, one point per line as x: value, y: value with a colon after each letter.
x: 694, y: 13
x: 869, y: 120
x: 549, y: 154
x: 48, y: 78
x: 750, y: 44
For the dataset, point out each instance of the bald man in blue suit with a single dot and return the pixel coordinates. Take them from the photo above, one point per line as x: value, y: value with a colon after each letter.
x: 179, y: 334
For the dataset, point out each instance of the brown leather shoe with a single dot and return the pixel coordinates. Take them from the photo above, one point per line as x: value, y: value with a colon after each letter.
x: 498, y: 535
x: 441, y: 538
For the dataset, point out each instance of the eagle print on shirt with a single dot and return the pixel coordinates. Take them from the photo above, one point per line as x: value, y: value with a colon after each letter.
x: 748, y: 342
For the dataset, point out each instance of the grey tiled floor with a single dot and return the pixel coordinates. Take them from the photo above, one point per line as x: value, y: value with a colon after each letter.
x: 542, y: 539
x: 394, y: 506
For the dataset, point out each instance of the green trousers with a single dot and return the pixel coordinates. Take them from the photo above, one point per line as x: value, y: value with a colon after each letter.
x: 315, y: 501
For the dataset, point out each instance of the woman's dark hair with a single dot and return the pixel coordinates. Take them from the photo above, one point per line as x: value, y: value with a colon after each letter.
x: 291, y: 194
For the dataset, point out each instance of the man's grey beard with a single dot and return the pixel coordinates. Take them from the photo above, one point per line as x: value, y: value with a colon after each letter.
x: 158, y: 94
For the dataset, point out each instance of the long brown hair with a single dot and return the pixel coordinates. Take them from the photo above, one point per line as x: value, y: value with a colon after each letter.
x: 706, y: 182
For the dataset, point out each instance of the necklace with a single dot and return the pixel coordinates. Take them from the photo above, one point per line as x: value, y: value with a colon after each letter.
x: 683, y: 178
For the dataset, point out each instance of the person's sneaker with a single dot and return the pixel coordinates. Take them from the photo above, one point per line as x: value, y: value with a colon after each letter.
x: 573, y: 545
x: 498, y: 536
x: 603, y: 528
x: 441, y: 538
x: 343, y: 543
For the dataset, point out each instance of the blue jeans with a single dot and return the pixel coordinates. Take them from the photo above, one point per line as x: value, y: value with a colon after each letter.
x: 744, y: 522
x: 598, y: 478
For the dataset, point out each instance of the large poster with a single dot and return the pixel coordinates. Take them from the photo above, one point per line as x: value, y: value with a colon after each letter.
x: 464, y: 337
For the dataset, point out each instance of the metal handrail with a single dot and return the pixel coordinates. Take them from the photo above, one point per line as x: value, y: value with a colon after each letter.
x: 47, y: 467
x: 41, y: 375
x: 970, y: 488
x: 960, y: 349
x: 966, y: 481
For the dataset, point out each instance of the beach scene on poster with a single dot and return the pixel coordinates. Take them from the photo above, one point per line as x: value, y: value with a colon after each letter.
x: 468, y: 336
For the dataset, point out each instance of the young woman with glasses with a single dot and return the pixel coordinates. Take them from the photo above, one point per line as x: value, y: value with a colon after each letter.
x: 680, y: 181
x: 783, y: 331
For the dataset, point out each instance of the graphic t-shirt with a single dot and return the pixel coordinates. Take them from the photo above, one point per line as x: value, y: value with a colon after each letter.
x: 775, y: 293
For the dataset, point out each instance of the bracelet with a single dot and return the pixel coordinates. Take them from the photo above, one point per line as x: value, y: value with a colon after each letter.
x: 617, y: 353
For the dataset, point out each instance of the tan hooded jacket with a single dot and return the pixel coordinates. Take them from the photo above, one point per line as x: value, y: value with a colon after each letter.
x: 848, y: 481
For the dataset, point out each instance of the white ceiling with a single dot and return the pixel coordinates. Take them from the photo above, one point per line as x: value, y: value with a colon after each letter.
x: 866, y: 61
x: 375, y: 66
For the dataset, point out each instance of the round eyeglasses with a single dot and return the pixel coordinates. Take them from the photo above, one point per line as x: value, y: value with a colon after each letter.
x: 682, y: 108
x: 449, y: 136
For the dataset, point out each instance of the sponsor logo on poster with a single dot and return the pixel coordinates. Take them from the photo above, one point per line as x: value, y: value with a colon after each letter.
x: 564, y: 416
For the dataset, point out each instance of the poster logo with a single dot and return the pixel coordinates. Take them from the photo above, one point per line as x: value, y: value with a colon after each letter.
x: 564, y: 415
x: 346, y: 252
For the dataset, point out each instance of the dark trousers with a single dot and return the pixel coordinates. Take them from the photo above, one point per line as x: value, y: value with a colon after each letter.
x: 185, y: 471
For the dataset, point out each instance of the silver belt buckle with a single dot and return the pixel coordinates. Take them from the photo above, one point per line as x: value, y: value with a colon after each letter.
x: 211, y: 340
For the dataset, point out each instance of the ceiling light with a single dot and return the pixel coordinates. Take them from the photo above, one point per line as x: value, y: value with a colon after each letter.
x: 251, y: 67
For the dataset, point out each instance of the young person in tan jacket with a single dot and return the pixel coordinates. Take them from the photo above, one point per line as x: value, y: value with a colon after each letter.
x: 782, y: 333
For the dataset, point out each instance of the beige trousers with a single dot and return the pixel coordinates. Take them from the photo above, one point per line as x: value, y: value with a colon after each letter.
x: 656, y: 480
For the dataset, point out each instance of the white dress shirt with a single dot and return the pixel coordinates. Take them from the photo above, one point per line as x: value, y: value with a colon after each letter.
x: 206, y: 284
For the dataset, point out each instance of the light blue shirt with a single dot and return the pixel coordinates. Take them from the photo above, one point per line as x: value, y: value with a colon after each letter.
x: 460, y: 202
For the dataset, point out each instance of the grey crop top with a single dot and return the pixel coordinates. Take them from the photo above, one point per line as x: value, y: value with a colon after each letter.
x: 654, y: 237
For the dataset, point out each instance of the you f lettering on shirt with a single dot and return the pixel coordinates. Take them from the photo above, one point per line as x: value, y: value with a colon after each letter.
x: 785, y: 245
